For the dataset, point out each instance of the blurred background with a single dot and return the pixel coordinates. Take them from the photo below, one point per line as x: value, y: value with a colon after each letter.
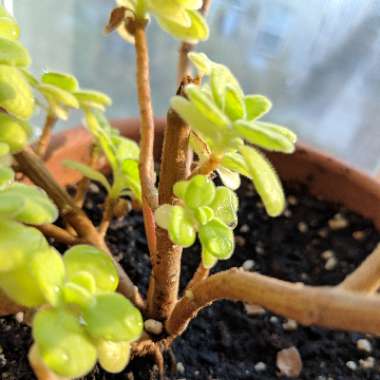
x: 317, y: 60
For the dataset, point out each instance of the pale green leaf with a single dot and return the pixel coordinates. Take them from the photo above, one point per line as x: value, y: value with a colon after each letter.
x: 234, y: 103
x: 64, y: 81
x: 55, y: 94
x: 162, y: 216
x: 13, y: 53
x: 200, y: 191
x: 114, y: 356
x: 7, y: 176
x: 235, y: 162
x: 201, y: 62
x: 266, y: 138
x: 8, y: 27
x: 287, y: 133
x: 13, y: 132
x: 229, y: 178
x: 265, y: 180
x: 257, y: 106
x: 88, y: 172
x: 225, y: 206
x: 180, y: 228
x: 93, y: 99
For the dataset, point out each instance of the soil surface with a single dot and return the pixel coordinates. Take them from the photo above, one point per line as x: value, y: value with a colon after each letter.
x: 313, y: 242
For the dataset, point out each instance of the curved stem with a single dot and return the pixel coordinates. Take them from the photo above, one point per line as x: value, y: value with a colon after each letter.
x: 107, y: 216
x: 59, y: 234
x: 43, y: 141
x: 200, y: 274
x: 365, y: 278
x: 323, y: 306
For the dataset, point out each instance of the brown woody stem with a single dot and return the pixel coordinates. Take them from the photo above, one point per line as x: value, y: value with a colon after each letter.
x: 107, y: 216
x: 43, y: 141
x: 34, y: 168
x: 186, y: 47
x: 164, y: 283
x: 207, y: 167
x: 323, y: 306
x: 59, y: 234
x: 200, y: 274
x: 366, y: 278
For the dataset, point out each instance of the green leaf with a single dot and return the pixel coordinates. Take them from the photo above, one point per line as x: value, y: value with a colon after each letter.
x: 64, y: 81
x: 90, y: 259
x: 62, y: 343
x: 30, y: 78
x: 131, y: 177
x: 197, y: 30
x: 34, y: 205
x: 15, y: 93
x: 88, y: 172
x: 56, y: 95
x: 162, y: 216
x: 229, y: 178
x: 13, y: 53
x: 75, y: 294
x: 235, y: 162
x: 234, y: 103
x: 225, y: 206
x: 170, y: 11
x: 263, y: 137
x: 200, y: 191
x: 204, y: 105
x: 208, y: 260
x: 179, y: 189
x: 123, y: 324
x: 217, y: 239
x: 287, y: 133
x: 13, y: 132
x: 203, y: 215
x: 181, y: 230
x: 17, y: 241
x: 265, y: 181
x: 257, y: 106
x: 8, y: 27
x: 114, y: 356
x: 93, y: 99
x: 201, y: 62
x: 7, y: 176
x: 4, y: 150
x: 218, y: 83
x: 125, y: 149
x: 190, y: 4
x: 37, y: 280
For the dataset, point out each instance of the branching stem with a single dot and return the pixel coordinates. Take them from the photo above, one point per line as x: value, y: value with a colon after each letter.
x: 44, y: 140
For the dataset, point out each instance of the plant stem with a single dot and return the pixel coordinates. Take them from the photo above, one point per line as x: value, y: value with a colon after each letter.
x: 146, y: 165
x: 34, y: 168
x: 175, y: 164
x: 323, y: 306
x: 207, y: 167
x: 365, y: 278
x: 43, y: 141
x: 186, y: 48
x: 59, y: 234
x: 107, y: 216
x: 200, y: 274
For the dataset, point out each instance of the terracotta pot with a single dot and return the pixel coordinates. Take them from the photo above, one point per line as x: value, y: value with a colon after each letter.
x: 325, y: 176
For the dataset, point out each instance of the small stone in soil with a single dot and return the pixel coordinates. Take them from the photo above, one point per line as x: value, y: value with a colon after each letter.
x: 331, y: 263
x: 248, y: 265
x: 367, y: 363
x: 290, y: 325
x: 302, y: 227
x: 274, y: 320
x: 289, y: 362
x: 338, y: 222
x: 260, y: 367
x: 153, y: 326
x: 244, y: 228
x: 254, y: 309
x: 240, y: 241
x: 364, y: 345
x: 323, y: 233
x: 352, y: 365
x: 292, y: 200
x: 359, y: 235
x: 180, y: 368
x: 327, y: 254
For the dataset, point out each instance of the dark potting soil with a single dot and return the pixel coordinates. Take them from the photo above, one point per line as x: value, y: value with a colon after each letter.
x: 314, y: 242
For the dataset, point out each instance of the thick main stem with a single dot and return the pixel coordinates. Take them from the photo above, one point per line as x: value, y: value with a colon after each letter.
x: 35, y: 169
x: 43, y: 141
x: 175, y: 165
x: 323, y: 306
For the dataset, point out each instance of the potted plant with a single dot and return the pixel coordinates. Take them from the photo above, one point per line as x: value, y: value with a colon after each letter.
x: 82, y: 305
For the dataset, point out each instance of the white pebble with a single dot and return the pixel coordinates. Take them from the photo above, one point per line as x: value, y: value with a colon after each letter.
x: 302, y: 227
x: 292, y: 200
x: 367, y: 363
x: 327, y: 254
x: 19, y: 317
x: 331, y: 263
x: 273, y: 320
x: 364, y: 345
x: 244, y: 228
x: 358, y: 235
x: 352, y: 365
x: 248, y: 265
x: 259, y: 249
x: 260, y: 367
x: 254, y: 309
x: 338, y: 222
x: 290, y: 325
x: 323, y: 233
x: 180, y: 368
x: 288, y: 213
x: 154, y: 327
